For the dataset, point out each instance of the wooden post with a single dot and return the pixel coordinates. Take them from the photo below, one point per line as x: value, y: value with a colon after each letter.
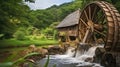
x: 86, y: 36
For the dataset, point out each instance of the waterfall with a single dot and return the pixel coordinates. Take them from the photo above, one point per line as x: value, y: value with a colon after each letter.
x: 87, y: 54
x: 70, y: 52
x: 82, y: 55
x: 82, y: 59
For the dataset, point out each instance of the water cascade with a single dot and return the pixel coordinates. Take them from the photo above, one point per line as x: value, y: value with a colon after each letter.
x: 82, y: 59
x: 86, y: 54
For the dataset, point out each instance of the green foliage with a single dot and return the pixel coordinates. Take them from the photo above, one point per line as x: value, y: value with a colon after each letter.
x: 1, y: 35
x: 44, y: 18
x: 54, y: 24
x: 7, y: 64
x: 48, y: 31
x: 17, y: 43
x: 55, y: 35
x: 42, y: 37
x: 34, y: 37
x: 15, y: 14
x: 18, y: 61
x: 19, y: 35
x: 30, y: 1
x: 12, y: 13
x: 29, y: 30
x: 47, y: 62
x: 23, y: 59
x: 54, y: 65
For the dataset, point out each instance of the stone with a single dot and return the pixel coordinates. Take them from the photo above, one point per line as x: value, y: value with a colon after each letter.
x: 41, y: 51
x: 100, y: 41
x: 84, y: 46
x: 89, y: 59
x: 32, y: 48
x: 54, y: 50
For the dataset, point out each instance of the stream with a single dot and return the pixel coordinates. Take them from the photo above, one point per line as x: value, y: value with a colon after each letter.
x: 82, y: 59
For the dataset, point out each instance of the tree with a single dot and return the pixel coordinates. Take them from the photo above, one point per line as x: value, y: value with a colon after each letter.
x: 12, y: 13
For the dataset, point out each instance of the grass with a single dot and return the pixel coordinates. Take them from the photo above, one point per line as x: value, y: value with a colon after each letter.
x: 9, y: 51
x: 17, y: 43
x: 9, y: 47
x: 19, y: 61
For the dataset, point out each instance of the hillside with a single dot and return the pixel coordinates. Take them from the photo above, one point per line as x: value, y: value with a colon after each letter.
x: 54, y: 13
x: 19, y: 18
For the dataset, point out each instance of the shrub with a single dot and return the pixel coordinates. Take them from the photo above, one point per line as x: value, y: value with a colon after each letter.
x: 19, y: 35
x: 1, y: 36
x: 42, y: 37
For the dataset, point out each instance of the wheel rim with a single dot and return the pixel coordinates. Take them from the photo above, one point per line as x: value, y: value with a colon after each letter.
x: 99, y: 20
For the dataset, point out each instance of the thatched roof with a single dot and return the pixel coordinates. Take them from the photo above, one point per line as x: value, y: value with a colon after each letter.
x: 70, y: 20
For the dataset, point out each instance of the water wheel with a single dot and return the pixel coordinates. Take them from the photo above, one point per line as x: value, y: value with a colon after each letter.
x: 100, y: 22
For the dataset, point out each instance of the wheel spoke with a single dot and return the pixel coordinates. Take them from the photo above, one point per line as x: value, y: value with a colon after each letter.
x: 100, y: 18
x: 94, y: 12
x: 95, y: 37
x: 89, y: 13
x: 103, y: 20
x: 83, y: 22
x: 79, y: 27
x: 81, y: 34
x: 103, y: 38
x: 86, y: 14
x: 100, y: 33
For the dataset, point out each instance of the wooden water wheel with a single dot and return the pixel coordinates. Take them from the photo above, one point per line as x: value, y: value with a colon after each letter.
x: 100, y: 21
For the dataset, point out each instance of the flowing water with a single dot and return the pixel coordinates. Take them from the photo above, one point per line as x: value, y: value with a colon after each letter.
x: 67, y: 60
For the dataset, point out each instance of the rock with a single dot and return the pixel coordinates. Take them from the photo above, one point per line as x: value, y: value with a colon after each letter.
x: 32, y: 48
x: 100, y: 41
x: 55, y: 50
x: 35, y: 57
x: 23, y: 52
x: 54, y: 47
x: 84, y: 46
x: 41, y: 51
x: 89, y: 59
x: 99, y: 51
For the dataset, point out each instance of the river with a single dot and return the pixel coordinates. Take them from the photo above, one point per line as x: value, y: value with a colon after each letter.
x: 67, y: 59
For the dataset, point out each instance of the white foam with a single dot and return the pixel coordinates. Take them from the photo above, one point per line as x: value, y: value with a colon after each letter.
x: 79, y: 60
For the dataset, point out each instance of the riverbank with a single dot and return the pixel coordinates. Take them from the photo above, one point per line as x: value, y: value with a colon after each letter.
x: 12, y: 54
x: 10, y: 47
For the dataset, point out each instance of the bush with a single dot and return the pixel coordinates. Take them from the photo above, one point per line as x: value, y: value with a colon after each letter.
x: 42, y: 37
x: 55, y: 36
x: 19, y: 35
x: 1, y: 36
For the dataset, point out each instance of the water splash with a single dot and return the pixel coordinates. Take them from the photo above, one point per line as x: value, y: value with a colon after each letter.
x: 67, y: 60
x: 87, y: 54
x: 70, y: 52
